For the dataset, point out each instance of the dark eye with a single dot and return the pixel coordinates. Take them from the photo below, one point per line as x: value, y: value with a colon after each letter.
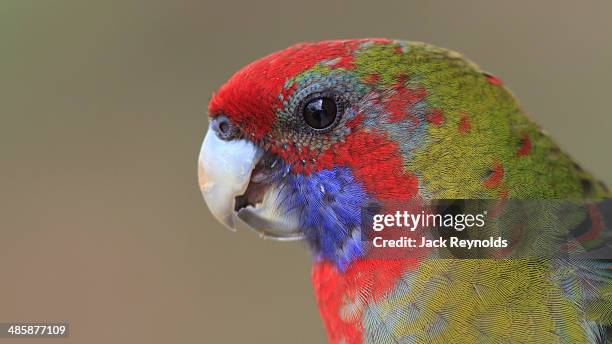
x: 320, y: 113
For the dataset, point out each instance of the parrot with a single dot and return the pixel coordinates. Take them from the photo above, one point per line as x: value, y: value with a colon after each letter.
x: 305, y: 141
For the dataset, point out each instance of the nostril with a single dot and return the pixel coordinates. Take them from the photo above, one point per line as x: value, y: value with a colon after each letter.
x: 225, y: 129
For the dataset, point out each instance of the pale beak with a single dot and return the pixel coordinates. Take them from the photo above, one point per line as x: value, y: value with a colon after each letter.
x: 224, y: 173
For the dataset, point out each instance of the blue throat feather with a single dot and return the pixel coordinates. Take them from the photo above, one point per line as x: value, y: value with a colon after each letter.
x: 329, y: 204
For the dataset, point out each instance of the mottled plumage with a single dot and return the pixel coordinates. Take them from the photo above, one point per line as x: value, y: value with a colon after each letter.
x: 417, y: 123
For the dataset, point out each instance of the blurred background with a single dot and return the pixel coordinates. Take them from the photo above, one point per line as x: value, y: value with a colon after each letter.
x: 103, y: 107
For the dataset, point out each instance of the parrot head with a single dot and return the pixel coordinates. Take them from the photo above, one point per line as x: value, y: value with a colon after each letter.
x: 288, y: 149
x: 303, y: 141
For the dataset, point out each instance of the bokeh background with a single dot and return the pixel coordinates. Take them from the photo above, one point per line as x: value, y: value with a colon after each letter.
x: 103, y: 107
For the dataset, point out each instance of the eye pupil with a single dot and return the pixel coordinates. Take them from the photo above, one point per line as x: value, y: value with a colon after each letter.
x: 320, y: 113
